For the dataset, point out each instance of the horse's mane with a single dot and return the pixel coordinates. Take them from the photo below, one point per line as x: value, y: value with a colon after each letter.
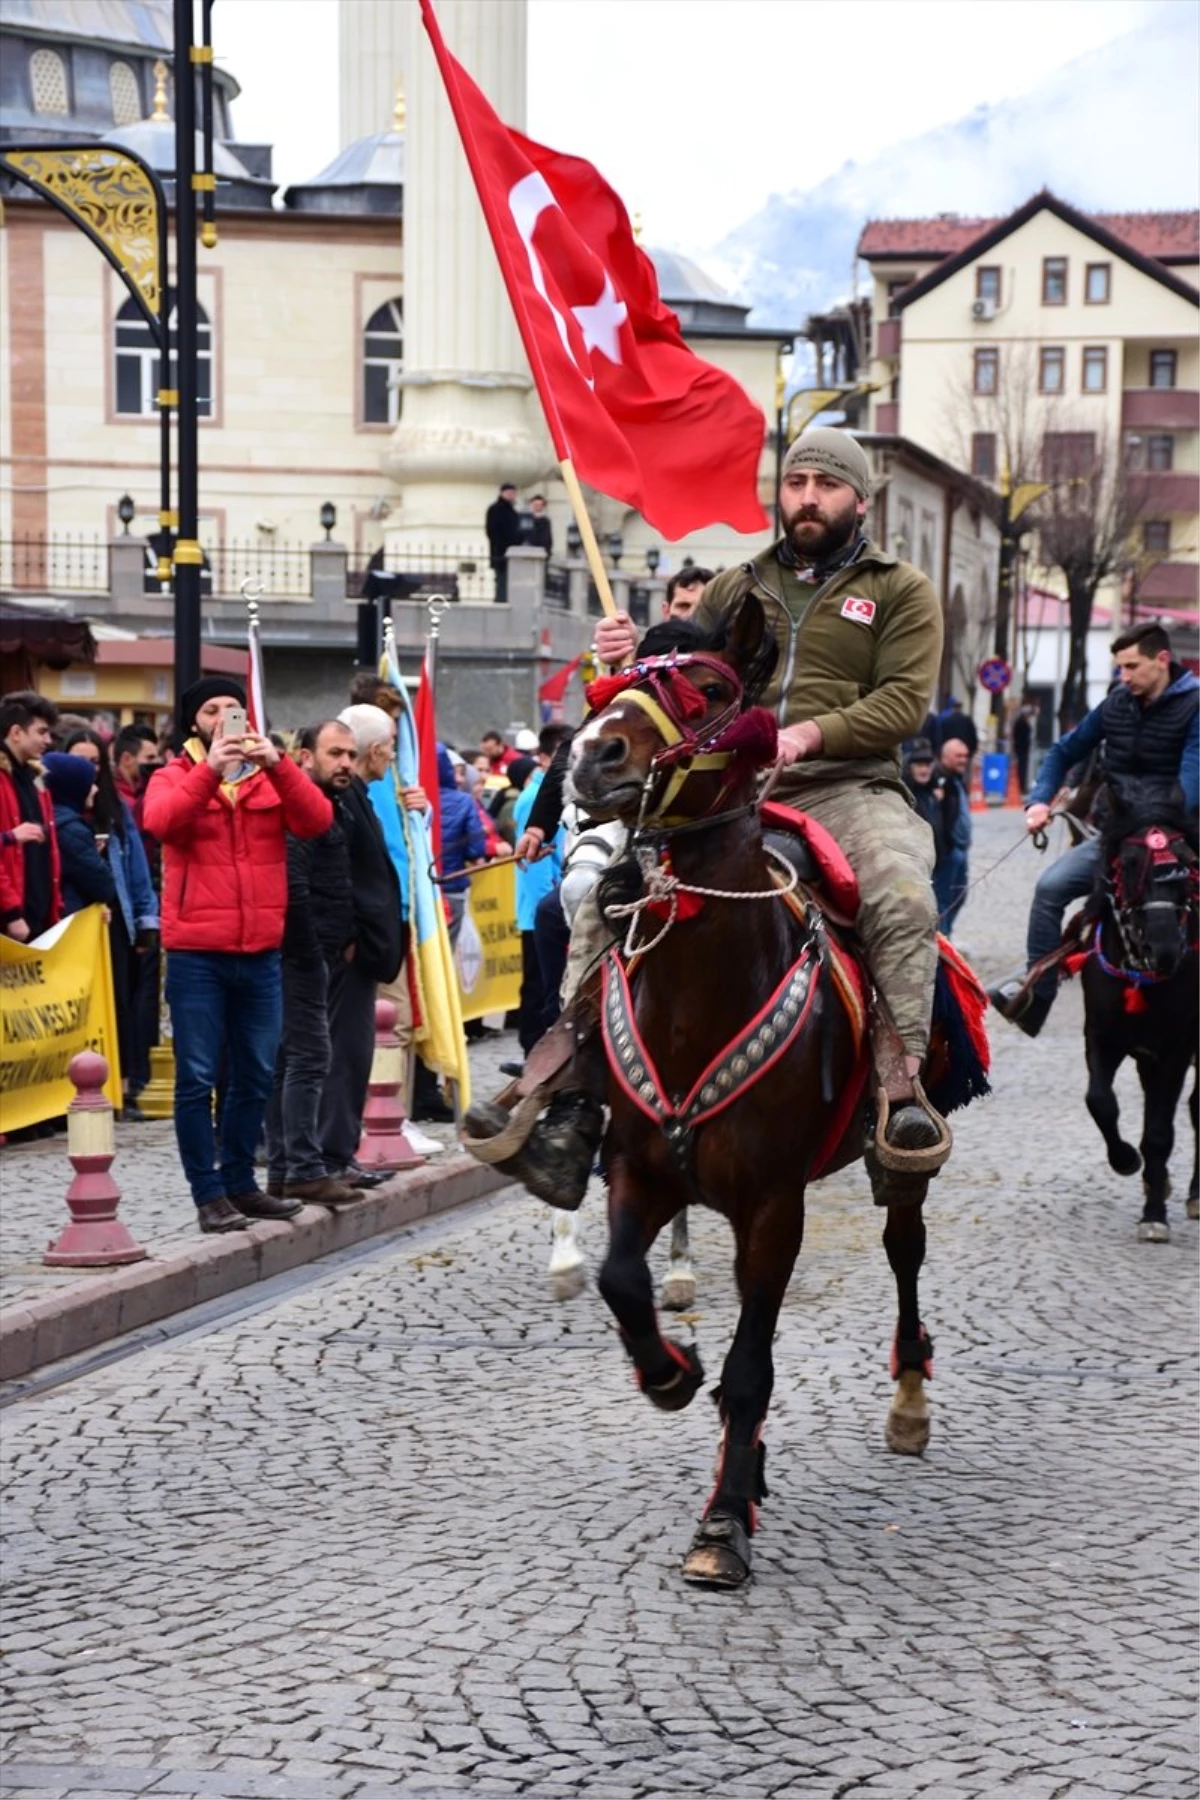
x: 684, y: 635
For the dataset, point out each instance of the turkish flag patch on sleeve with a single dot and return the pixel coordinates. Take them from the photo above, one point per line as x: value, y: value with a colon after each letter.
x: 860, y: 610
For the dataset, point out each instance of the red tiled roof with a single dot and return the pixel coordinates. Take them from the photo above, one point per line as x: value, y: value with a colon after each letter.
x: 1166, y: 236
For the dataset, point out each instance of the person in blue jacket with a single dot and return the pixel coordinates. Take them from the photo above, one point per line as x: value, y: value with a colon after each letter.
x: 1147, y: 729
x: 462, y: 839
x: 86, y: 874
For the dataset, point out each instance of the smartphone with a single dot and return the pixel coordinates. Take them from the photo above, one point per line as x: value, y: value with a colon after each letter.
x: 233, y: 722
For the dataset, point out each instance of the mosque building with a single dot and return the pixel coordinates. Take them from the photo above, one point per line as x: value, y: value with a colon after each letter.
x: 354, y: 352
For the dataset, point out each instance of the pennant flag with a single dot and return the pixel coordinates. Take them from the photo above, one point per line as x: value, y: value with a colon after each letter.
x: 427, y: 759
x: 433, y: 981
x: 554, y: 688
x: 638, y: 415
x: 256, y: 705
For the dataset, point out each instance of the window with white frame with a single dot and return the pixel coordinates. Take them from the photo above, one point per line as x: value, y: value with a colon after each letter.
x: 138, y: 374
x: 383, y: 364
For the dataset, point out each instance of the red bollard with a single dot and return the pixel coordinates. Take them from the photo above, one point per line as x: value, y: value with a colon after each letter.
x: 95, y: 1238
x: 384, y: 1144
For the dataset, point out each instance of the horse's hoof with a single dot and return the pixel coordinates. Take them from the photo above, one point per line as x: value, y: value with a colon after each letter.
x: 679, y: 1292
x: 1193, y: 1206
x: 682, y: 1385
x: 719, y: 1554
x: 1124, y: 1159
x: 1153, y: 1231
x: 568, y: 1284
x: 907, y: 1428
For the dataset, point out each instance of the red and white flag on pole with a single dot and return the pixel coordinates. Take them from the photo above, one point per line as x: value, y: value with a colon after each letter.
x: 641, y: 418
x: 256, y: 705
x: 427, y: 758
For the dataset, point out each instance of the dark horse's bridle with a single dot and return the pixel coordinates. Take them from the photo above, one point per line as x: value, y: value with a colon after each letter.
x: 1166, y: 860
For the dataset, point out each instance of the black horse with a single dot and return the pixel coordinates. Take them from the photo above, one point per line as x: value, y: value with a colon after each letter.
x: 1140, y: 996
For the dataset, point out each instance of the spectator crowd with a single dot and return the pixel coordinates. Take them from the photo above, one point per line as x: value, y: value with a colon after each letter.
x: 275, y: 875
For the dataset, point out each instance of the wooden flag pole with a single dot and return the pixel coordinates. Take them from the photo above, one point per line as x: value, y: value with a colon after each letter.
x: 591, y: 548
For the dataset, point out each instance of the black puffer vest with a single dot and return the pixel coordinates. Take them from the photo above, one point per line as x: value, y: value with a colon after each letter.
x: 1148, y: 741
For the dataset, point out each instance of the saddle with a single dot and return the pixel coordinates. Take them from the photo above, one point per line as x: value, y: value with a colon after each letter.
x: 816, y: 856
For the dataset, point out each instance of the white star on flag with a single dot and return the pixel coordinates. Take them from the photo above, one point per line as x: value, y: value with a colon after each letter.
x: 600, y: 323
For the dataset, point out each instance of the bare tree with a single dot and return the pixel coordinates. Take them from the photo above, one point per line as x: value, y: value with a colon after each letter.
x: 1056, y: 477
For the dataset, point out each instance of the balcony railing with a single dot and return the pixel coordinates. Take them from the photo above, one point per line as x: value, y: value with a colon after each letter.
x: 1160, y: 409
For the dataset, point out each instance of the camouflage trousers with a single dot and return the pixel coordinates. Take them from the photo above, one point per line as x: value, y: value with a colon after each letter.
x: 890, y: 848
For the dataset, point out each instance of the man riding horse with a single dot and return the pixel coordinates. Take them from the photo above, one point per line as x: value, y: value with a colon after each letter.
x: 1147, y: 730
x: 860, y: 642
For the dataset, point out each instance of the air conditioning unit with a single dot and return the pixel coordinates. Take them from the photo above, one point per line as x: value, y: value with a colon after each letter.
x: 983, y: 309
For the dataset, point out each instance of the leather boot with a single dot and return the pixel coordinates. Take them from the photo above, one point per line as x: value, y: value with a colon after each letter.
x: 221, y: 1215
x: 556, y: 1159
x: 1028, y: 1010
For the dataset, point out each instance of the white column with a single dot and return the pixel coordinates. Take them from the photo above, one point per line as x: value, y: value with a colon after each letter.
x: 470, y: 418
x: 371, y: 47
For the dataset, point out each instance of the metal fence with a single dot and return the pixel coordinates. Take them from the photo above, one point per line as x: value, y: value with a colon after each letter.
x: 54, y: 565
x: 463, y: 565
x: 282, y: 571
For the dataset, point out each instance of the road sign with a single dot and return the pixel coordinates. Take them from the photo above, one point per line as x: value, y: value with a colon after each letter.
x: 995, y: 674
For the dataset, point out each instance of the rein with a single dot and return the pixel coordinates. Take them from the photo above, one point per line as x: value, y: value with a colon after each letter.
x: 663, y: 888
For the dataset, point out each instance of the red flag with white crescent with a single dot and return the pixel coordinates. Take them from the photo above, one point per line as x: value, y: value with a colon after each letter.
x: 256, y: 704
x: 641, y: 417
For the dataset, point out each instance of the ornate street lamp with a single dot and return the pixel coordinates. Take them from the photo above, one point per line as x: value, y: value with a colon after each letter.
x: 328, y: 516
x: 616, y: 548
x: 125, y: 511
x: 574, y: 539
x: 653, y: 558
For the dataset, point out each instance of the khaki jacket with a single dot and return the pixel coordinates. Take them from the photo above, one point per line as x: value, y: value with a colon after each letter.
x: 859, y: 654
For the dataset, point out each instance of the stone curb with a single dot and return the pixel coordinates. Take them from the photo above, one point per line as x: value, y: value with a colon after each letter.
x: 107, y: 1305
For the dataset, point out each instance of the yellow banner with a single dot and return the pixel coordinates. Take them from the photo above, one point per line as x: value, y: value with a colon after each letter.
x: 488, y: 953
x: 56, y: 998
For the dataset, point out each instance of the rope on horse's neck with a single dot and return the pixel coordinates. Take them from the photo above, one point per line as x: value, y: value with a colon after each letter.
x: 662, y: 885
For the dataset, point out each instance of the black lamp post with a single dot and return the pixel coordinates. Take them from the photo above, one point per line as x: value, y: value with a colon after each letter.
x: 616, y: 548
x: 125, y: 511
x: 574, y: 539
x: 328, y: 516
x: 653, y: 558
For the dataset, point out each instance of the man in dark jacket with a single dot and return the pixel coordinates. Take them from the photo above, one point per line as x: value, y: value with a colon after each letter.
x: 30, y: 896
x: 1149, y: 727
x: 378, y: 948
x: 503, y: 526
x: 318, y: 937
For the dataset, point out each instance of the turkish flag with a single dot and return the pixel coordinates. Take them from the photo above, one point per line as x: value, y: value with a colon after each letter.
x: 641, y: 418
x: 427, y: 758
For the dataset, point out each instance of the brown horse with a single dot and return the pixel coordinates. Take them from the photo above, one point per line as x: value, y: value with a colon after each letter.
x: 737, y: 1063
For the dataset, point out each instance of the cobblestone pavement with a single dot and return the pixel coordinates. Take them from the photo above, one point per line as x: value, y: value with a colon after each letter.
x: 155, y: 1203
x: 411, y: 1532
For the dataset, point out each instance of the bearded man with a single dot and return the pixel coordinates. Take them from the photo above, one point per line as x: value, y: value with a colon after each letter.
x: 860, y: 643
x: 222, y: 811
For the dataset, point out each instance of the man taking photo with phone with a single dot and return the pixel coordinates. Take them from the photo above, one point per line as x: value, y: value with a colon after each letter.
x: 222, y: 810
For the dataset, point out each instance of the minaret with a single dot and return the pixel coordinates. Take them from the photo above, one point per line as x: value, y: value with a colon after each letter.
x: 371, y: 36
x: 470, y: 417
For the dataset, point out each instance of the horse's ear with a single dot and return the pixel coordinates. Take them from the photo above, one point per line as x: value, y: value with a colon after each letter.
x: 751, y: 646
x: 746, y: 631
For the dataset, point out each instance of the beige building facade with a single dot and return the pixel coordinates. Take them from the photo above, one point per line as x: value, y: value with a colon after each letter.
x: 1053, y: 346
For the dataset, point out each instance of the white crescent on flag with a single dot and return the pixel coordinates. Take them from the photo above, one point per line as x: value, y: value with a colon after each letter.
x: 600, y: 322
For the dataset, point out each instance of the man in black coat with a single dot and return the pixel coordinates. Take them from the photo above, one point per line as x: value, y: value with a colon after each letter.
x: 378, y: 947
x: 318, y: 937
x: 503, y: 526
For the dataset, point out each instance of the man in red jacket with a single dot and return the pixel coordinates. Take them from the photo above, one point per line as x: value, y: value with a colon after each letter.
x: 222, y: 810
x: 30, y: 893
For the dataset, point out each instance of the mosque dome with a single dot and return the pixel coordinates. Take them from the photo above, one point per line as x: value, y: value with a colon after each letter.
x: 75, y: 69
x: 366, y: 177
x: 699, y: 301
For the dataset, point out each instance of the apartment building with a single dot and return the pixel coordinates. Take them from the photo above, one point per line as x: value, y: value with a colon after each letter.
x: 1070, y: 333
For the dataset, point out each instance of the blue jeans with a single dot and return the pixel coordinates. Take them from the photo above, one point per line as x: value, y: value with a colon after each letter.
x: 226, y: 1012
x: 1072, y: 877
x: 950, y: 887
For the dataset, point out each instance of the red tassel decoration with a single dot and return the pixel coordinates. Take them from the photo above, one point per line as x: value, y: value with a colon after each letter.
x: 1135, y: 999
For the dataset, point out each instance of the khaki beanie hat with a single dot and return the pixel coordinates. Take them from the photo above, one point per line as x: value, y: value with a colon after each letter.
x: 835, y: 453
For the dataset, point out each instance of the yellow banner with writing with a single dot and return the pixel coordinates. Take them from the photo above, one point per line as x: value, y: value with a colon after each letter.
x: 488, y: 953
x: 56, y: 998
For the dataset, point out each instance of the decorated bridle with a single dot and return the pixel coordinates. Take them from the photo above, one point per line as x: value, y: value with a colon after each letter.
x: 660, y: 687
x: 1129, y: 879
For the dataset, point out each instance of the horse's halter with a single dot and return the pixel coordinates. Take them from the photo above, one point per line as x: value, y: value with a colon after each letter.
x: 658, y: 686
x: 1147, y: 861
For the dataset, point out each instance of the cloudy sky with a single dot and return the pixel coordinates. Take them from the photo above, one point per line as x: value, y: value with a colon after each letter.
x: 698, y: 110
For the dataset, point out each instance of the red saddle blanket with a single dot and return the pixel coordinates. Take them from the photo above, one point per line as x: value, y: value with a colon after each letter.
x: 837, y: 880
